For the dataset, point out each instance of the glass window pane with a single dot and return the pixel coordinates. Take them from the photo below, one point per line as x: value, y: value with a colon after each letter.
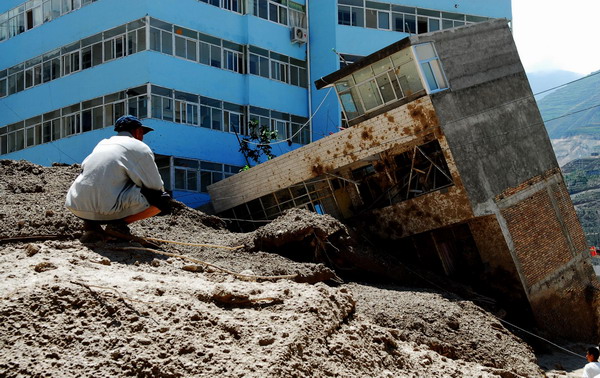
x: 180, y: 47
x: 437, y: 72
x: 421, y: 25
x: 253, y: 62
x: 205, y: 119
x: 86, y: 58
x: 154, y: 39
x: 397, y: 22
x: 216, y: 119
x: 425, y: 51
x: 192, y: 180
x: 429, y: 76
x: 215, y: 56
x: 362, y: 75
x: 370, y: 95
x: 358, y: 17
x: 166, y: 43
x: 385, y: 87
x: 264, y: 67
x: 434, y: 24
x: 263, y: 10
x: 410, y: 24
x: 343, y: 15
x: 141, y: 39
x: 86, y: 120
x: 180, y: 179
x: 97, y: 54
x: 156, y: 107
x: 204, y: 53
x: 167, y: 109
x: 384, y: 20
x: 371, y: 18
x: 109, y: 52
x: 97, y: 119
x: 447, y: 24
x: 191, y: 49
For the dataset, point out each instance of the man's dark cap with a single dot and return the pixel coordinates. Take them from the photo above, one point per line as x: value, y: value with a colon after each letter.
x: 129, y: 123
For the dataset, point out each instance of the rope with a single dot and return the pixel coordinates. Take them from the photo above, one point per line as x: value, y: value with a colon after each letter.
x: 238, y: 275
x: 501, y: 320
x: 539, y: 337
x: 195, y: 244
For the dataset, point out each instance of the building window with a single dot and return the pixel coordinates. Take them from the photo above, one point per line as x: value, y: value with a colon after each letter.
x: 186, y: 174
x: 211, y: 114
x: 71, y: 120
x: 167, y: 104
x: 231, y: 5
x: 77, y: 56
x: 411, y: 20
x: 33, y: 13
x: 431, y: 67
x: 193, y: 175
x: 284, y: 12
x: 390, y: 79
x: 233, y: 57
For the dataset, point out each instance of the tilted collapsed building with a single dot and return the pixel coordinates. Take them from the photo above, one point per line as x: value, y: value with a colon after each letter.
x: 446, y: 156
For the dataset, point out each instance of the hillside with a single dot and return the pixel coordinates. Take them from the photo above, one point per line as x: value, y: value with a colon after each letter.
x: 583, y: 180
x: 582, y: 98
x: 117, y: 309
x: 545, y: 80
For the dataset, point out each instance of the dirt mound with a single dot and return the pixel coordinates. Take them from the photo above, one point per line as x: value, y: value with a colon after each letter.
x: 117, y: 309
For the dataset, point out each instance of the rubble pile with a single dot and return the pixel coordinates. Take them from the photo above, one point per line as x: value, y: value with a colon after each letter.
x: 118, y: 309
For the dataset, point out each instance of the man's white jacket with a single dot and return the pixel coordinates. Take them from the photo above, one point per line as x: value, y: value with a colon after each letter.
x: 113, y: 175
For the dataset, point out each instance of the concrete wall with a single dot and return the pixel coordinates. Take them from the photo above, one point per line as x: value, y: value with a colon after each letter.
x: 489, y: 114
x: 325, y: 34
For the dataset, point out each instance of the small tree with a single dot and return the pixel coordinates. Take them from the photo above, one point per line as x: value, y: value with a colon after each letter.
x: 257, y: 143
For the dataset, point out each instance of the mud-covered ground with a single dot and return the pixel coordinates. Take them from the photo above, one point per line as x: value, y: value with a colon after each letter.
x: 116, y: 309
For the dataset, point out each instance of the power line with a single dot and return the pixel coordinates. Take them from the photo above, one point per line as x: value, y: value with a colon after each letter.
x: 570, y: 82
x: 300, y: 129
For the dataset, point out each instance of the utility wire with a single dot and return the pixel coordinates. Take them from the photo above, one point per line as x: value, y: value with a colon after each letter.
x: 570, y: 82
x: 300, y: 129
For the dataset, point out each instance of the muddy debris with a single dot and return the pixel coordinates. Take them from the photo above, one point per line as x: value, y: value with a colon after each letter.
x: 103, y: 310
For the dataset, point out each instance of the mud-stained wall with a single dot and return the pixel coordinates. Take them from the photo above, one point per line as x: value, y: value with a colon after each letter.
x: 434, y: 210
x: 499, y: 267
x: 569, y: 307
x: 394, y: 128
x: 430, y: 211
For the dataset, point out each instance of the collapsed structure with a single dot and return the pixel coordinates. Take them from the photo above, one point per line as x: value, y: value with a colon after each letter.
x: 446, y: 156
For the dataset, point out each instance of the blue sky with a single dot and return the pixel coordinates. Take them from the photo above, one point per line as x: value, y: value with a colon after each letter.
x: 558, y: 35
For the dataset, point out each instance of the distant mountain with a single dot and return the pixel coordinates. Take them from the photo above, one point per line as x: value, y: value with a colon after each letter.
x: 541, y: 81
x: 583, y: 180
x: 574, y: 109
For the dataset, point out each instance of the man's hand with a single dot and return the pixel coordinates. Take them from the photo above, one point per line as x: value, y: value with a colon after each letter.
x: 160, y: 199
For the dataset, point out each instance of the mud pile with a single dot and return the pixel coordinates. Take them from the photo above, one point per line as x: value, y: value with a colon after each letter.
x: 116, y: 309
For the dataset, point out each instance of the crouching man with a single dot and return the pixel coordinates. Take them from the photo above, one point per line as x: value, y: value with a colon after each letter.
x: 119, y: 184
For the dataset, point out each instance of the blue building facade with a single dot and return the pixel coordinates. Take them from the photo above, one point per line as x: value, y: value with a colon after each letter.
x: 197, y: 71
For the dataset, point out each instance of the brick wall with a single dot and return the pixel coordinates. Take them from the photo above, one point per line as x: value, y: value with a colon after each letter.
x: 570, y: 220
x: 538, y: 236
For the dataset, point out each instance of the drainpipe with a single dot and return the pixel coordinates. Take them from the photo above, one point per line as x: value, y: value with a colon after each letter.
x: 308, y: 62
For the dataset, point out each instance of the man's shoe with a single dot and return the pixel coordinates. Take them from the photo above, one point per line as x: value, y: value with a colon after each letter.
x: 92, y: 237
x: 89, y: 225
x: 118, y: 228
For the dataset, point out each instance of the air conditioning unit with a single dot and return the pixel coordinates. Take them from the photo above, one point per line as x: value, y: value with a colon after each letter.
x: 299, y: 35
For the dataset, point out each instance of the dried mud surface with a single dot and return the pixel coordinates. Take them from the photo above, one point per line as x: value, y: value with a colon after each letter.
x: 113, y: 309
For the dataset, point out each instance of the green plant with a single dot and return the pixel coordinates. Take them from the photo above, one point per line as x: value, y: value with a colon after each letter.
x: 257, y: 143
